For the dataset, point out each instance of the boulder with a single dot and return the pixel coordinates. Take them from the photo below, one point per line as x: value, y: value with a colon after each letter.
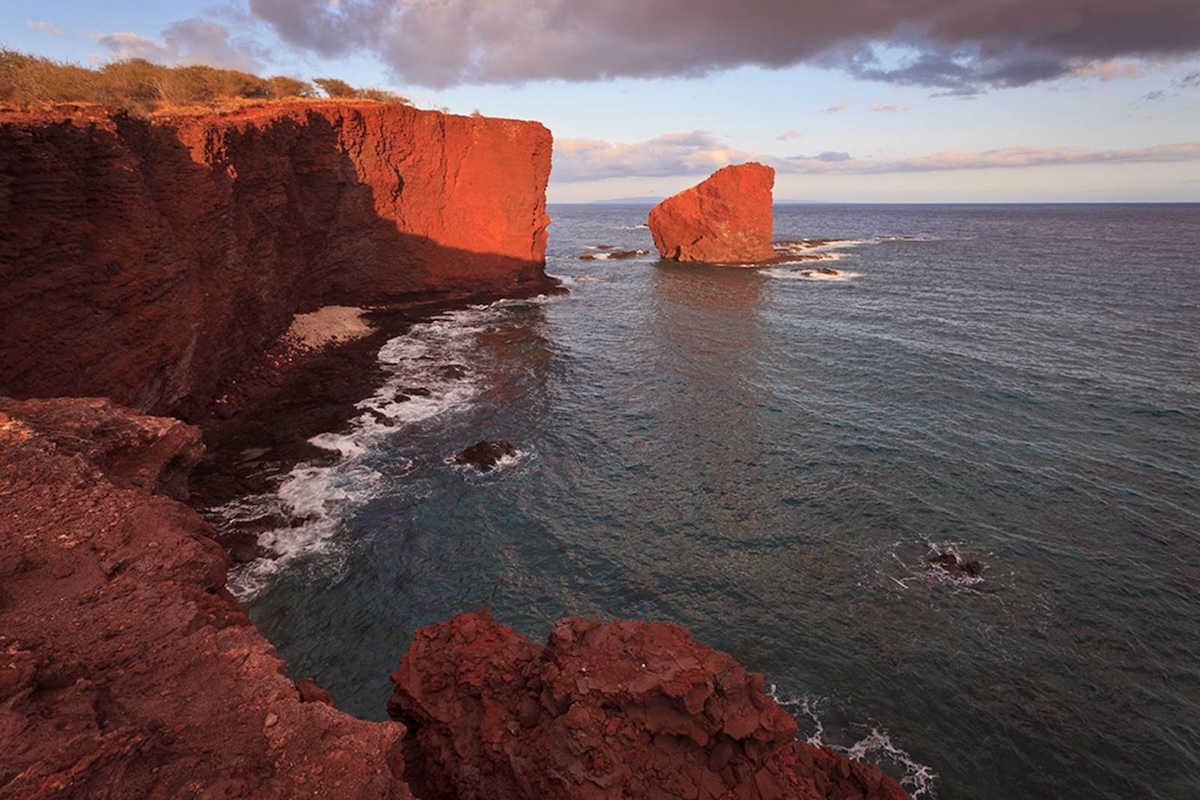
x: 625, y: 709
x: 484, y: 456
x: 726, y: 219
x: 954, y: 565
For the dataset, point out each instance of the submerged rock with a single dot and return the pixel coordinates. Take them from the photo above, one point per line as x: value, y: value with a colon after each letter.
x: 726, y: 219
x: 627, y: 709
x: 953, y: 564
x: 485, y: 455
x: 608, y: 254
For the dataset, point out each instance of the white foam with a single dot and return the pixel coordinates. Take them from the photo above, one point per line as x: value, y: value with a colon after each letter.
x: 504, y: 463
x: 799, y: 273
x: 429, y: 375
x: 876, y: 747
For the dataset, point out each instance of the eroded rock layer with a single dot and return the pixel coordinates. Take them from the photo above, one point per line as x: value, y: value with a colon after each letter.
x: 725, y: 219
x: 126, y: 668
x: 620, y: 710
x: 145, y: 261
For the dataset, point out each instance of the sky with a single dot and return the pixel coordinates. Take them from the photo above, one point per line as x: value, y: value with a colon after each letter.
x: 849, y: 100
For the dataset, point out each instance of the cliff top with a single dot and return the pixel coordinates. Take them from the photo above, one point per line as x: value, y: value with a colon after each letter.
x: 144, y: 88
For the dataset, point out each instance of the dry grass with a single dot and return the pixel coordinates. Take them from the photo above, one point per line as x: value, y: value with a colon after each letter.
x: 141, y: 87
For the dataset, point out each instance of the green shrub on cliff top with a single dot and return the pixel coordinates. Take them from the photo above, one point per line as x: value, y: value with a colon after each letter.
x: 142, y: 87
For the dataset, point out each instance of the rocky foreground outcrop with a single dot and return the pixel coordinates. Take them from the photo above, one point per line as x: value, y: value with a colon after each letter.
x: 146, y: 261
x: 127, y: 670
x: 620, y: 710
x: 725, y: 219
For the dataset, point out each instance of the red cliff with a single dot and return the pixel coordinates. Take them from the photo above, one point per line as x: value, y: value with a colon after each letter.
x: 725, y: 219
x: 145, y: 261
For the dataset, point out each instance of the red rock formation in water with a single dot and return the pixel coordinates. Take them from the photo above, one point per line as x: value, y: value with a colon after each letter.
x: 145, y: 261
x: 622, y: 710
x: 726, y: 219
x: 127, y: 670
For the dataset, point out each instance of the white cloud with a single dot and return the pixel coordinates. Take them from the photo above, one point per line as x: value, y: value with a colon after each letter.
x: 888, y: 108
x: 789, y: 136
x: 47, y: 28
x: 190, y: 41
x: 836, y: 108
x: 699, y: 153
x: 695, y: 153
x: 1114, y: 70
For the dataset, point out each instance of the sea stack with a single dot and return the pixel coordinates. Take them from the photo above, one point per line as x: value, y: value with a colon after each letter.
x: 725, y: 219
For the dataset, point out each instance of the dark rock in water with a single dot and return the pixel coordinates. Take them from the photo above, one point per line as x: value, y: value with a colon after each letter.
x: 613, y: 255
x: 485, y: 455
x: 949, y: 562
x: 416, y: 391
x: 243, y: 546
x: 381, y: 418
x: 452, y: 372
x: 828, y: 271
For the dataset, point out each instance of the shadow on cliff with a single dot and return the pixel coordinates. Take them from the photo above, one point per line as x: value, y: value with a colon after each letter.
x: 148, y: 262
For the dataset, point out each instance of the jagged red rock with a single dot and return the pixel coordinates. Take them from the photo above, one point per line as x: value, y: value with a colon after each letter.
x: 126, y: 668
x: 726, y: 219
x: 145, y: 261
x: 620, y: 710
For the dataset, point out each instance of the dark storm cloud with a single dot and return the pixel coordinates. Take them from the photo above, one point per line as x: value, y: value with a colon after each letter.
x: 956, y: 46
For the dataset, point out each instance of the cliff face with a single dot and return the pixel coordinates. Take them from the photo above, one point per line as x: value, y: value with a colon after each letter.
x: 144, y: 261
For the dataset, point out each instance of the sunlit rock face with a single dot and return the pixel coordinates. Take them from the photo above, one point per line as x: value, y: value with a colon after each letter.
x: 726, y: 219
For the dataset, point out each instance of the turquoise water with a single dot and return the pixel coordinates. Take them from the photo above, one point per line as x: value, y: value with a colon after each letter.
x: 768, y: 458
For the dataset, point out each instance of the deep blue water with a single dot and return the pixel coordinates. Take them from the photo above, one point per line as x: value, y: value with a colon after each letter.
x: 769, y: 460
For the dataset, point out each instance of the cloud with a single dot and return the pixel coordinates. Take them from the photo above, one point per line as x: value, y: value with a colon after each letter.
x: 45, y: 27
x: 837, y: 107
x: 888, y: 108
x: 790, y: 135
x: 695, y: 153
x: 948, y: 45
x: 1105, y: 71
x: 699, y: 153
x: 1183, y: 82
x: 190, y: 41
x: 1002, y: 158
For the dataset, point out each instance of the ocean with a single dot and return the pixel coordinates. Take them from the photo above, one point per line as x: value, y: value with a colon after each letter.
x: 771, y: 457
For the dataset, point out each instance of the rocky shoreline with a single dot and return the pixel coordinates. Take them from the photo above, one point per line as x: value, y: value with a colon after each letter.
x: 127, y: 669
